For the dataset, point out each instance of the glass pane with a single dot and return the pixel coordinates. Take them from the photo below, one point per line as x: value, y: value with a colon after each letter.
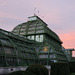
x: 43, y: 56
x: 32, y: 25
x: 45, y: 49
x: 32, y: 37
x: 24, y: 26
x: 22, y: 29
x: 28, y: 37
x: 32, y: 18
x: 31, y: 32
x: 52, y: 55
x: 41, y: 38
x: 31, y: 28
x: 39, y: 31
x: 37, y: 38
x: 5, y: 42
x: 51, y: 51
x: 4, y: 32
x: 39, y: 27
x: 0, y: 48
x: 22, y: 33
x: 7, y: 50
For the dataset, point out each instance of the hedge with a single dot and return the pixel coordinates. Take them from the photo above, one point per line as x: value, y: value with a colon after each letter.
x: 73, y: 74
x: 72, y: 67
x: 38, y: 69
x: 60, y: 69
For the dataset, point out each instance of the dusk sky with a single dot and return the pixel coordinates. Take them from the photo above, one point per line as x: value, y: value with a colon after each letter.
x: 58, y: 14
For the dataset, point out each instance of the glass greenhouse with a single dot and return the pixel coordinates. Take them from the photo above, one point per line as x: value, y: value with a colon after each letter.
x: 49, y: 48
x: 31, y: 42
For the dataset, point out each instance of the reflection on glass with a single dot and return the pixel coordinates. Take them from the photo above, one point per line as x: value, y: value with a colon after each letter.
x: 39, y: 27
x: 51, y: 50
x: 24, y: 26
x: 39, y: 31
x: 22, y: 33
x: 22, y: 29
x: 28, y: 37
x: 32, y: 18
x: 31, y: 32
x: 0, y: 48
x: 32, y: 37
x: 37, y: 38
x: 7, y: 50
x: 45, y: 48
x: 52, y: 55
x: 31, y: 28
x: 43, y: 56
x: 41, y: 38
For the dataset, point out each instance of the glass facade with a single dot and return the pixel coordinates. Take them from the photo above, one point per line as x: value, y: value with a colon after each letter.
x: 32, y: 18
x: 16, y: 50
x: 38, y: 38
x: 29, y: 43
x: 49, y: 48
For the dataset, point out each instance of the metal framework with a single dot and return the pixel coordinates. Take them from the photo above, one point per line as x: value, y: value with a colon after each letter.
x: 49, y: 47
x: 31, y: 42
x: 15, y: 50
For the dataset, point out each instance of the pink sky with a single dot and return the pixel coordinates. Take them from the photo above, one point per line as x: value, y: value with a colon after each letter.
x: 58, y: 14
x: 68, y: 40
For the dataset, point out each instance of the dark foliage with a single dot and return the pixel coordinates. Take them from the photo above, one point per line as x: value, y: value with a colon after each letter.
x: 73, y: 74
x: 60, y: 69
x: 38, y: 69
x: 72, y: 67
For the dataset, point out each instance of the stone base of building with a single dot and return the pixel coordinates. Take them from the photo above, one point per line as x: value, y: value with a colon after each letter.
x: 7, y: 70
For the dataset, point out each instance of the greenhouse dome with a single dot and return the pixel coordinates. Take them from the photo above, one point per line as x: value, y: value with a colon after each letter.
x: 49, y: 48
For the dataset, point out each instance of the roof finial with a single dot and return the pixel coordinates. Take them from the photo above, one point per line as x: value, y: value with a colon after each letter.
x: 34, y: 11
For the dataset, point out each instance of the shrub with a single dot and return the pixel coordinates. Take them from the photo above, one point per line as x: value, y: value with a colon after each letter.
x: 73, y: 74
x: 21, y: 73
x: 60, y: 69
x: 72, y: 68
x: 38, y: 69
